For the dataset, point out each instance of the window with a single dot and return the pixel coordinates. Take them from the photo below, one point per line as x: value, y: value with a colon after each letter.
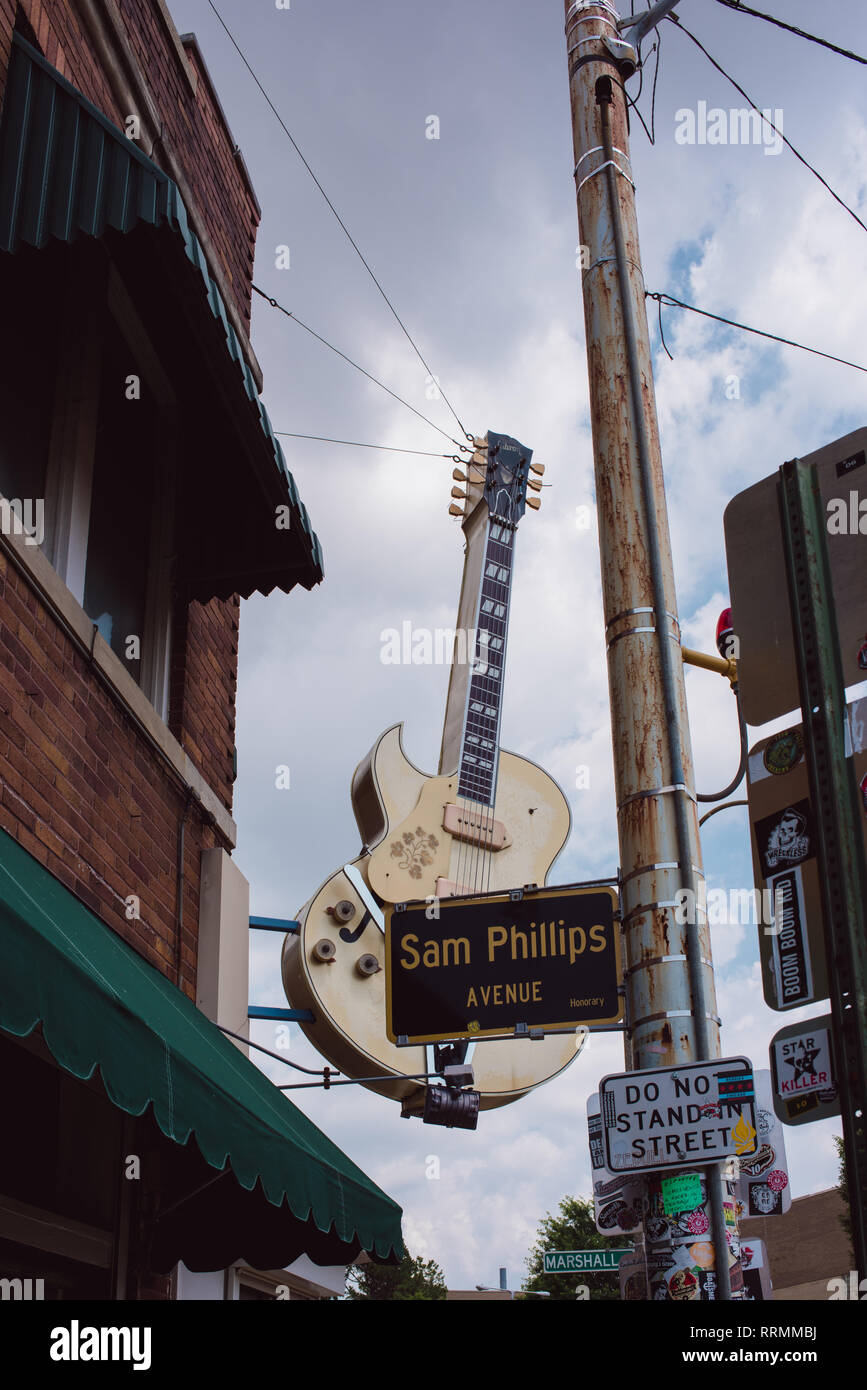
x: 109, y: 478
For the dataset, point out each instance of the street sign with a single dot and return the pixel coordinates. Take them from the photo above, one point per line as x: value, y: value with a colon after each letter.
x: 582, y: 1261
x: 759, y: 589
x: 500, y: 965
x: 617, y: 1198
x: 762, y: 1187
x: 786, y: 872
x: 803, y: 1072
x: 679, y: 1117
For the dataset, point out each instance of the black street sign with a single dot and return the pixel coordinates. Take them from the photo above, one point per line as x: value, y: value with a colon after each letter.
x: 493, y: 966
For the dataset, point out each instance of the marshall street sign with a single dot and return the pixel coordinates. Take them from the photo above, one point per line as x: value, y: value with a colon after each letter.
x: 484, y: 967
x: 582, y: 1261
x: 679, y: 1117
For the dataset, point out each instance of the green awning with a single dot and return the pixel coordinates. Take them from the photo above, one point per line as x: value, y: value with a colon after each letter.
x: 66, y: 172
x: 100, y: 1005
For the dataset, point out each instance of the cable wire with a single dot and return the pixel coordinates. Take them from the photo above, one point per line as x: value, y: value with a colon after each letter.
x: 355, y: 444
x: 767, y: 121
x: 793, y: 29
x: 343, y: 225
x: 671, y: 303
x: 295, y: 319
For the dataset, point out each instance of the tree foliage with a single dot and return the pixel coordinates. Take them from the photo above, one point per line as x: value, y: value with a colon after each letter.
x: 573, y: 1229
x: 409, y: 1281
x: 843, y: 1186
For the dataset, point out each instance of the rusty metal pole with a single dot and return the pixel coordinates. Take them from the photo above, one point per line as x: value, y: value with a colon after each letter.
x: 671, y: 1005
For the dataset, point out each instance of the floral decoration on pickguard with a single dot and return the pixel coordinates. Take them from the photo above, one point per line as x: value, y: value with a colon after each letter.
x: 414, y: 851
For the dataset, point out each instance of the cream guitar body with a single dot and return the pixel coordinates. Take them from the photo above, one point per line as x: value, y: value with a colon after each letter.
x: 346, y: 988
x: 496, y: 821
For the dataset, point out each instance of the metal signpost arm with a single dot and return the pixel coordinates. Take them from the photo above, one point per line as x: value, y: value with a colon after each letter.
x: 835, y: 807
x: 670, y: 991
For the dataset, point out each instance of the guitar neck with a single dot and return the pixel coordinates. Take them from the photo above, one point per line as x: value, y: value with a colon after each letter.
x: 494, y: 503
x: 480, y: 743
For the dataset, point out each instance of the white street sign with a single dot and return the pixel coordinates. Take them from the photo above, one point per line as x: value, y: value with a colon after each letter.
x: 679, y: 1117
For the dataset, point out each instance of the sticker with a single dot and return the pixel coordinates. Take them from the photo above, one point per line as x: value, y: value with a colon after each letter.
x: 697, y: 1223
x: 683, y: 1285
x: 791, y: 946
x: 765, y: 1121
x: 786, y: 838
x: 610, y: 1215
x: 862, y: 654
x: 778, y: 1180
x: 681, y: 1193
x: 864, y: 792
x: 784, y: 752
x: 763, y: 1200
x: 758, y: 1163
x: 801, y: 1105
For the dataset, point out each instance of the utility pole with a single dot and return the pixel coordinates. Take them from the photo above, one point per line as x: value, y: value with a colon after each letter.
x: 671, y: 1003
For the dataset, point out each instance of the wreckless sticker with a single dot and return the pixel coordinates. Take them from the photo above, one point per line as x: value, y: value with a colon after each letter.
x: 786, y: 838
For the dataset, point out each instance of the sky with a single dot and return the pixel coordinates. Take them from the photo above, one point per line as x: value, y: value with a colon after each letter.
x: 474, y: 237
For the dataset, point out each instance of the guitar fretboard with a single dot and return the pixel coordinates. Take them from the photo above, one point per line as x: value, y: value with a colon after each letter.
x: 477, y: 778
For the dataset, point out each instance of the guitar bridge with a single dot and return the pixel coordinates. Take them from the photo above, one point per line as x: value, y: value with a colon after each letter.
x: 475, y: 826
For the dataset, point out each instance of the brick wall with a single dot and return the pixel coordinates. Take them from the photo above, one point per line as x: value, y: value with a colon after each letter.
x: 202, y: 689
x: 192, y: 122
x: 85, y: 794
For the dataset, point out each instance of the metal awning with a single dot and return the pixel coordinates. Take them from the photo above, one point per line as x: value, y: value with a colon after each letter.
x: 101, y: 1006
x: 67, y: 172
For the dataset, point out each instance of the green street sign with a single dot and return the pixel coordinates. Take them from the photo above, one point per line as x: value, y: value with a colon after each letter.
x: 582, y: 1261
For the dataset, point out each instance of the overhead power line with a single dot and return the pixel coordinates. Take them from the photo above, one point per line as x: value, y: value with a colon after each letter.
x: 355, y: 444
x: 767, y: 120
x: 307, y: 329
x: 793, y: 29
x: 669, y: 302
x: 343, y: 225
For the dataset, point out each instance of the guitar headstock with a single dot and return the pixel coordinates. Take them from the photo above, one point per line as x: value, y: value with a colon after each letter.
x: 498, y: 473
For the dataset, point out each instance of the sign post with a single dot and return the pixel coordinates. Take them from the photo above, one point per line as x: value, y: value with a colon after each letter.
x: 669, y: 978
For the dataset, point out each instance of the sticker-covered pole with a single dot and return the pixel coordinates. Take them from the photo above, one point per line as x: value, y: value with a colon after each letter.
x: 670, y: 995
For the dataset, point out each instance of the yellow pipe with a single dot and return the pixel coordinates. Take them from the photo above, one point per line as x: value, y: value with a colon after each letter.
x: 722, y: 665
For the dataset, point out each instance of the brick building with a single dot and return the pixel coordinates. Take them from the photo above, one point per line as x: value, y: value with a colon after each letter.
x: 143, y: 493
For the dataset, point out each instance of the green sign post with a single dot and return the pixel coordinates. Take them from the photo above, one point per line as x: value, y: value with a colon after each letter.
x: 583, y: 1261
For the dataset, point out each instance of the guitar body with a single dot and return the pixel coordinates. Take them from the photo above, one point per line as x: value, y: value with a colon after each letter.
x: 410, y: 849
x: 388, y: 794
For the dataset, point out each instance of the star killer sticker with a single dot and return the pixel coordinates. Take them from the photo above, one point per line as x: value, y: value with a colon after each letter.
x: 804, y: 1064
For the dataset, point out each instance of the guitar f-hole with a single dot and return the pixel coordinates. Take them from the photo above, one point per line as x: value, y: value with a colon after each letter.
x: 349, y: 936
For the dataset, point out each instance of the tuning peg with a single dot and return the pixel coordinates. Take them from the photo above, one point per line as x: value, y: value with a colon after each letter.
x: 458, y: 476
x: 537, y: 468
x: 454, y: 510
x: 534, y: 502
x: 458, y: 492
x: 531, y: 482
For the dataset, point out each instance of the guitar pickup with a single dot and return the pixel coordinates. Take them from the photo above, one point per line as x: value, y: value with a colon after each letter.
x: 475, y: 826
